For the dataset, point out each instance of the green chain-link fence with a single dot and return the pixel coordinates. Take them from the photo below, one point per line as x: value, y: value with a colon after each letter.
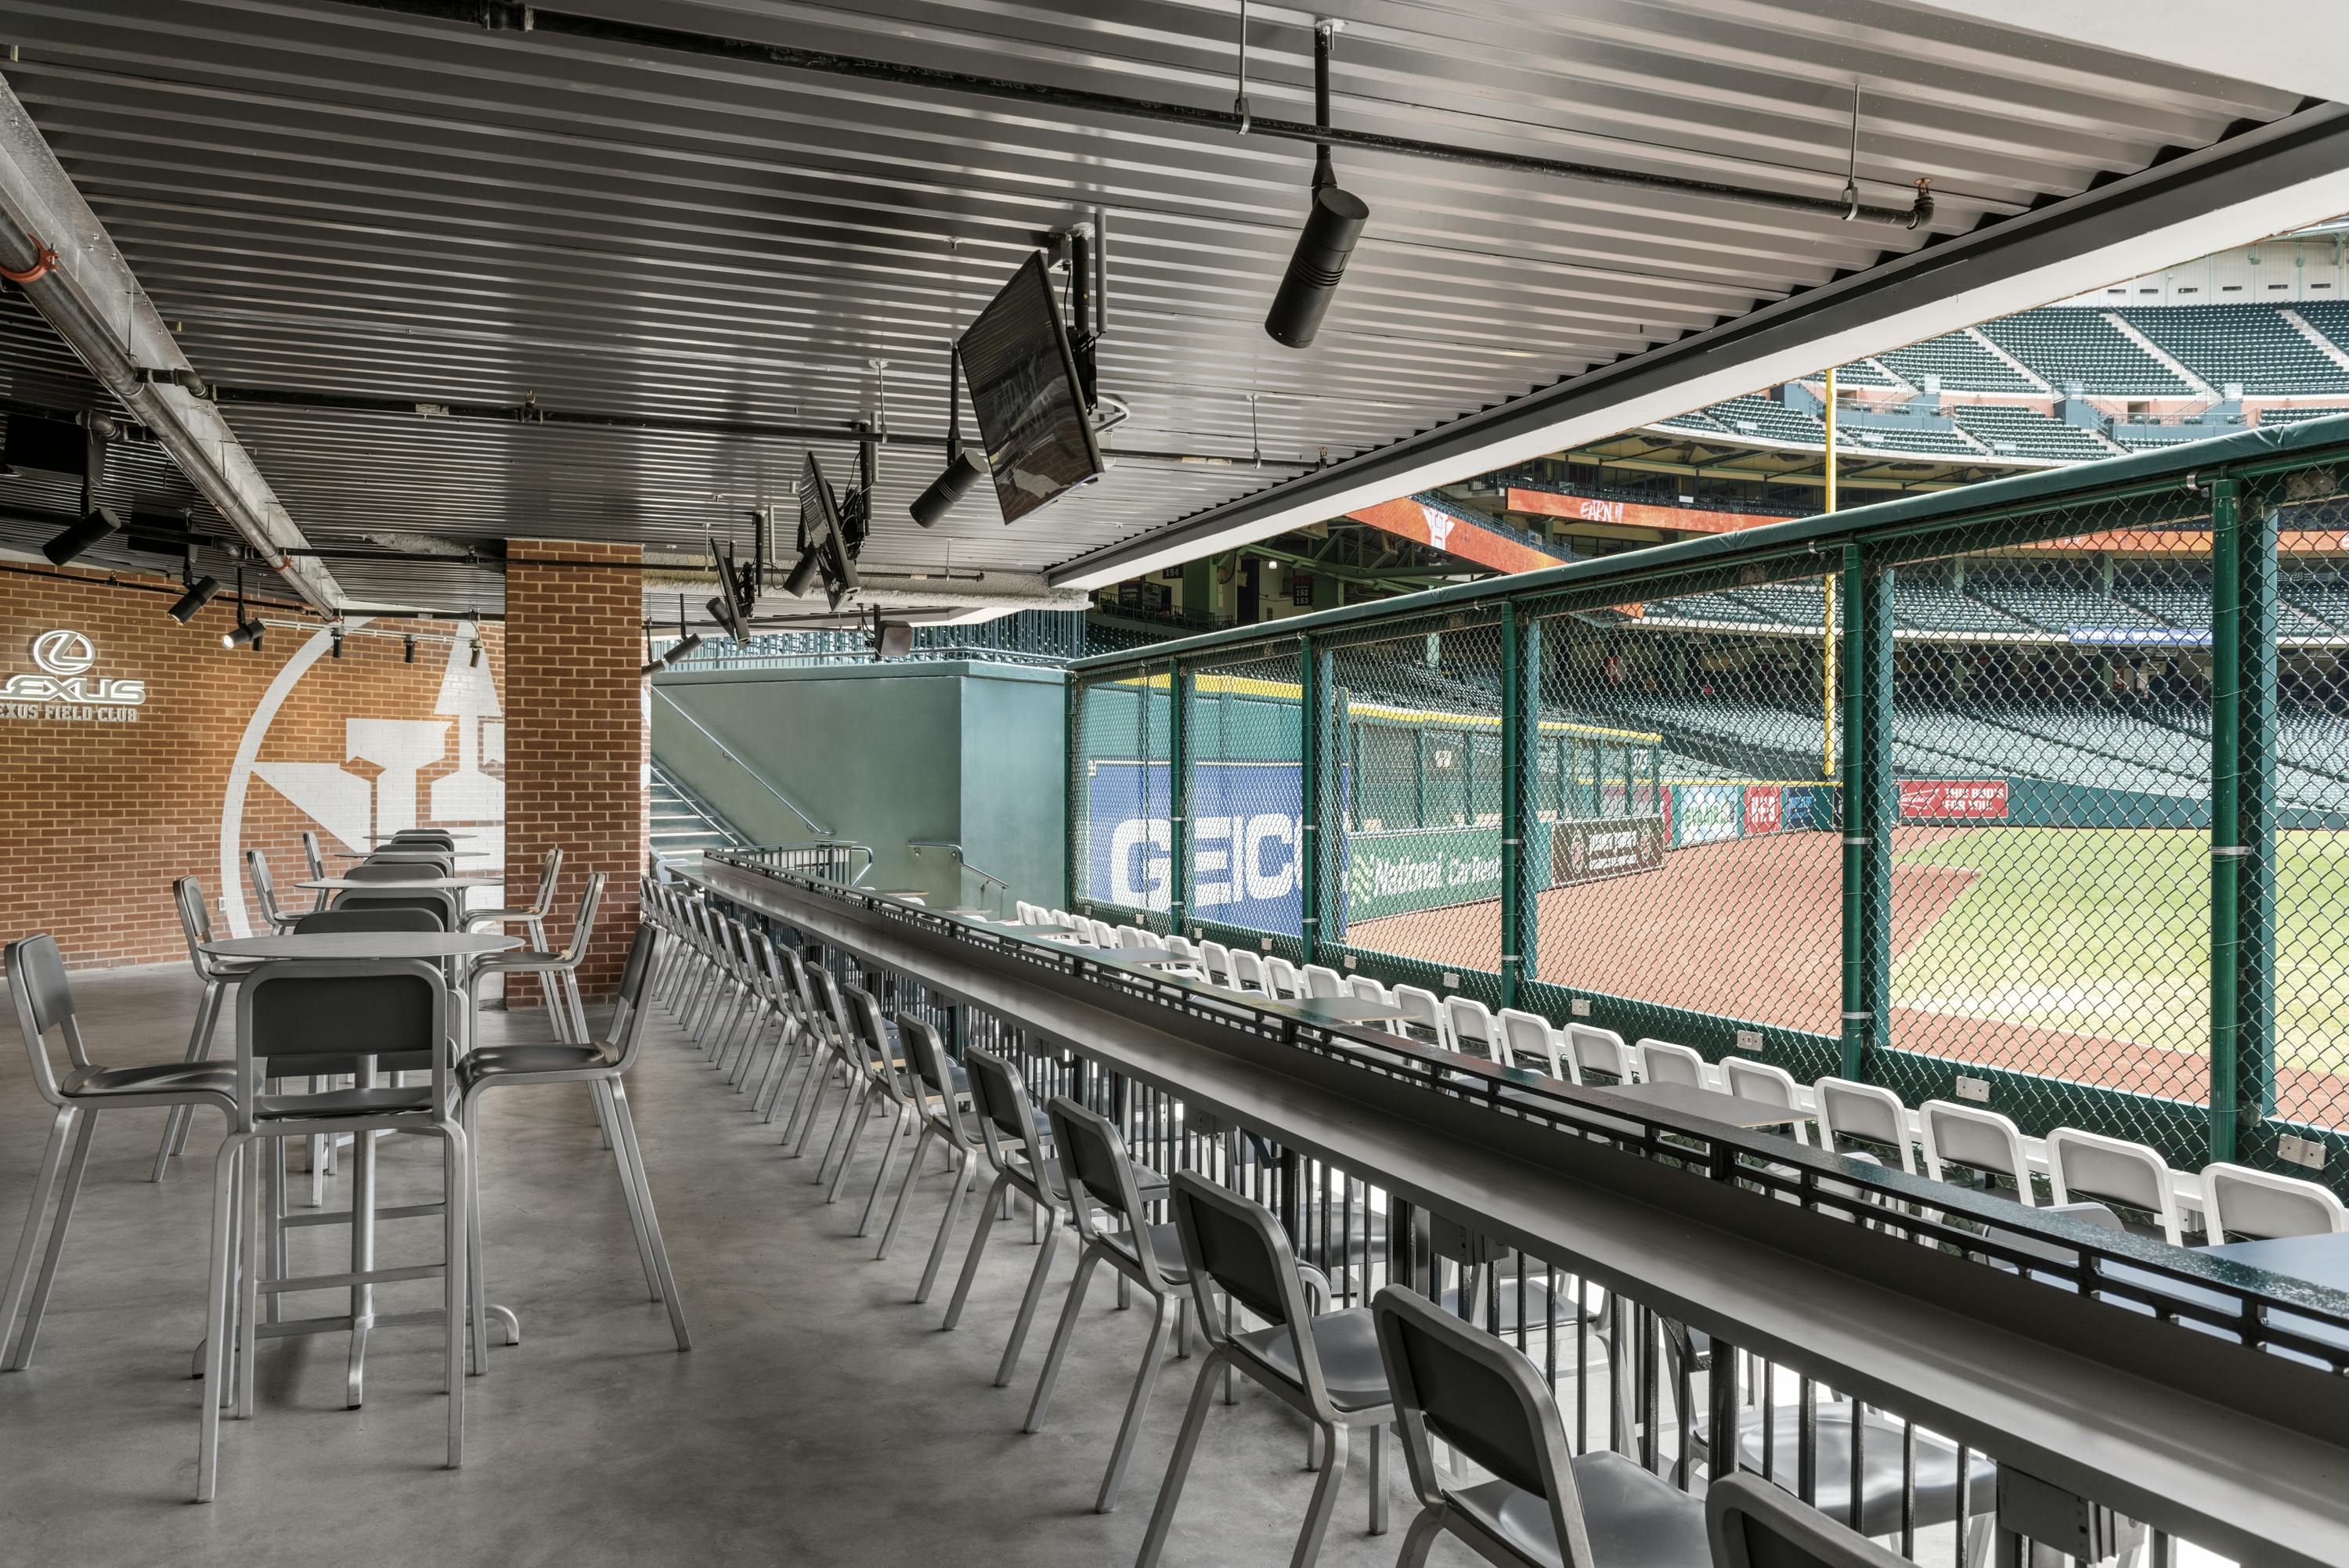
x: 2035, y: 794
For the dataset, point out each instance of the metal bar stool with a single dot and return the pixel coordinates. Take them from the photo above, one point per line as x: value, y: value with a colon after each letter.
x: 938, y: 1104
x: 563, y: 968
x: 307, y: 1019
x: 265, y: 893
x: 1325, y: 1365
x: 601, y: 1065
x: 217, y: 975
x: 37, y: 982
x: 317, y: 864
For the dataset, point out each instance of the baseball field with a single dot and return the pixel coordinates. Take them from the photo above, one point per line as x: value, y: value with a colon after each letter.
x: 2081, y: 953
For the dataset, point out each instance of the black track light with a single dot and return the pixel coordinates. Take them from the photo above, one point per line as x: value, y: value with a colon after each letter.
x: 962, y: 469
x: 337, y: 649
x: 200, y: 593
x: 729, y: 619
x: 407, y: 650
x: 247, y: 634
x: 474, y: 659
x: 1333, y: 223
x: 683, y: 648
x: 94, y: 529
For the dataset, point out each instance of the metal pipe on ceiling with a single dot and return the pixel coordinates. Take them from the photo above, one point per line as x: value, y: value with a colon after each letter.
x: 534, y: 413
x: 511, y: 15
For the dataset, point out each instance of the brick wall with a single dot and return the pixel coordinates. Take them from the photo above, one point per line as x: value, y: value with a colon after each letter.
x: 97, y: 818
x: 578, y: 742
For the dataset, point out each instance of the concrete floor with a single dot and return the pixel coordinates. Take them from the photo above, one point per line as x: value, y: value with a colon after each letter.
x: 820, y: 1418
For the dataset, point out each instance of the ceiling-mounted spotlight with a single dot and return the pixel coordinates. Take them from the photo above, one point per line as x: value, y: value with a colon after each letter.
x: 247, y: 632
x: 95, y: 527
x: 337, y: 634
x: 1333, y: 223
x: 474, y: 658
x: 682, y: 648
x: 200, y: 593
x: 729, y: 620
x: 962, y: 470
x: 407, y: 649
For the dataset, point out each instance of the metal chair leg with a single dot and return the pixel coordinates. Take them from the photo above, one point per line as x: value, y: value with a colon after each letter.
x: 1137, y: 1408
x: 1029, y: 1302
x: 455, y: 1204
x: 905, y: 1190
x: 226, y: 1165
x: 53, y: 1155
x: 1379, y: 1478
x: 476, y: 1268
x: 624, y: 1123
x: 601, y: 1091
x: 39, y: 1303
x: 199, y: 1046
x: 1062, y: 1335
x: 1178, y: 1467
x: 898, y: 1123
x: 978, y: 1239
x: 1324, y: 1503
x: 965, y: 1170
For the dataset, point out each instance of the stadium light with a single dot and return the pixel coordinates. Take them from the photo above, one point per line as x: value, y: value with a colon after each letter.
x: 1333, y: 223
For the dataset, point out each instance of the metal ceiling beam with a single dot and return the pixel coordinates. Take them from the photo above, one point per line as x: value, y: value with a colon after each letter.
x: 2283, y: 175
x: 511, y: 15
x: 81, y: 286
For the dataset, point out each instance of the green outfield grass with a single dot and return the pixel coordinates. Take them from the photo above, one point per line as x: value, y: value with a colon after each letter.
x: 2105, y: 930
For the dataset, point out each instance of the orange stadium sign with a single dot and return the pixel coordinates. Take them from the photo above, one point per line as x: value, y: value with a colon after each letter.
x: 1408, y: 519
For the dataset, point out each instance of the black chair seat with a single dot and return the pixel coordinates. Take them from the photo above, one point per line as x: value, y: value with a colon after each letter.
x: 163, y: 1078
x: 522, y: 958
x: 1348, y: 1344
x: 330, y: 1067
x: 1937, y: 1469
x: 1147, y: 1183
x: 383, y: 1101
x: 1165, y: 1243
x: 497, y: 1061
x: 1633, y: 1516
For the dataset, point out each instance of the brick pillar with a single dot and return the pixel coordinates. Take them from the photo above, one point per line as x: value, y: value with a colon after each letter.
x: 576, y: 739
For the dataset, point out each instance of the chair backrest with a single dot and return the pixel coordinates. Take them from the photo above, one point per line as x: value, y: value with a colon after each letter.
x: 1532, y: 1041
x: 1597, y: 1050
x: 1750, y: 1523
x: 2083, y: 1164
x: 583, y: 929
x: 1001, y: 1099
x: 287, y: 1012
x: 1132, y: 936
x: 195, y: 925
x: 1363, y: 988
x: 1217, y: 958
x: 1864, y: 1111
x: 549, y: 870
x: 926, y: 1053
x: 2262, y: 1205
x: 1247, y: 970
x: 311, y: 856
x: 37, y: 983
x: 1094, y: 1163
x: 264, y: 892
x: 1455, y: 1383
x: 1421, y: 1012
x: 1661, y: 1061
x: 1321, y: 980
x: 1280, y: 978
x: 1759, y: 1080
x: 392, y: 870
x: 1234, y: 1245
x: 367, y: 917
x: 1470, y: 1025
x: 439, y: 904
x: 627, y: 1020
x: 1982, y: 1139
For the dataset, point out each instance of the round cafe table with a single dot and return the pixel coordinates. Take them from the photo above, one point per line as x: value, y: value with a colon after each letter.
x: 345, y: 947
x: 426, y: 884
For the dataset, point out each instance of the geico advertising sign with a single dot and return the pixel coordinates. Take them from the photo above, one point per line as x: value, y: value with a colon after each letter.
x: 62, y: 688
x: 1247, y: 820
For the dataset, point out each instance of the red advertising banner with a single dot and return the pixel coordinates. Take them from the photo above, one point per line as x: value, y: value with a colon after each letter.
x: 1953, y: 799
x: 1764, y: 808
x: 1408, y: 519
x: 1632, y: 513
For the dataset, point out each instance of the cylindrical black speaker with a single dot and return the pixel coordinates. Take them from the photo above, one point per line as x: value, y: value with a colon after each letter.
x: 803, y: 574
x: 1332, y: 224
x: 962, y: 471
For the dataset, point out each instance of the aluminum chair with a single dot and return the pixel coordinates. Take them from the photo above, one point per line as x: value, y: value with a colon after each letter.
x: 774, y: 1010
x: 291, y: 1025
x: 837, y: 1055
x: 562, y: 967
x: 603, y: 1066
x: 2090, y: 1165
x: 531, y: 917
x: 217, y: 975
x: 1545, y: 1506
x: 1094, y: 1162
x: 1531, y: 1040
x: 804, y: 1043
x: 1661, y: 1061
x: 1324, y: 1366
x: 943, y: 1121
x: 871, y: 1063
x: 1749, y: 1524
x: 45, y: 1005
x: 2262, y: 1205
x: 265, y: 893
x: 442, y: 904
x: 1013, y: 1135
x: 1866, y: 1111
x: 1977, y: 1139
x: 317, y: 861
x: 899, y: 1086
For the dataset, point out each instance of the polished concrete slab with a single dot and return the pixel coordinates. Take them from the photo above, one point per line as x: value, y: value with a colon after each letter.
x: 820, y: 1417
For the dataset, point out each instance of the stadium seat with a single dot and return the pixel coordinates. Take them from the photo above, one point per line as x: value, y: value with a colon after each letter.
x: 1533, y: 1041
x: 2260, y: 1205
x: 1218, y: 960
x: 1866, y: 1111
x: 1469, y: 1024
x: 1598, y: 1050
x: 1425, y: 1017
x: 1363, y: 988
x: 2089, y: 1165
x: 1321, y: 980
x: 1281, y: 978
x: 1760, y: 1080
x: 1976, y: 1139
x: 1661, y: 1061
x: 1247, y: 971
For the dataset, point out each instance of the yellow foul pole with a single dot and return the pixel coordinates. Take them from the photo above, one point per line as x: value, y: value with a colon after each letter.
x: 1828, y: 631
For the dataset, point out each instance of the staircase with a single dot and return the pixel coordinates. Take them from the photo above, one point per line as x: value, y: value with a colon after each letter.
x: 683, y: 825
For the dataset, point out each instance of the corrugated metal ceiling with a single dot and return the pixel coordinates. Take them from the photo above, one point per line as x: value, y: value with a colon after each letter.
x: 328, y: 198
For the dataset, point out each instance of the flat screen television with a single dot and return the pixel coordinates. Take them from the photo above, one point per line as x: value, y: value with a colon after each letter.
x: 821, y: 534
x: 1022, y: 375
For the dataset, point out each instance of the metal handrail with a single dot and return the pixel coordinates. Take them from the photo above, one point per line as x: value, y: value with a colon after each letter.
x: 771, y: 855
x: 789, y: 804
x: 984, y: 875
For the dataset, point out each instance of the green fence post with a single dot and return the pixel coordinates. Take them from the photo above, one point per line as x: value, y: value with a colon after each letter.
x: 1512, y: 845
x: 1867, y: 808
x: 1309, y: 799
x: 1071, y: 741
x: 1178, y: 789
x: 2242, y: 816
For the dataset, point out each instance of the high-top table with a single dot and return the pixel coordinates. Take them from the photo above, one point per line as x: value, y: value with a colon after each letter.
x: 425, y: 885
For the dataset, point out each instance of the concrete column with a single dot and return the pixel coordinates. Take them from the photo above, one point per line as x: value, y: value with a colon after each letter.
x: 576, y: 745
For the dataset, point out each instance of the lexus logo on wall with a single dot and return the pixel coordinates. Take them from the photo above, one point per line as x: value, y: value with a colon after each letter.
x: 62, y: 689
